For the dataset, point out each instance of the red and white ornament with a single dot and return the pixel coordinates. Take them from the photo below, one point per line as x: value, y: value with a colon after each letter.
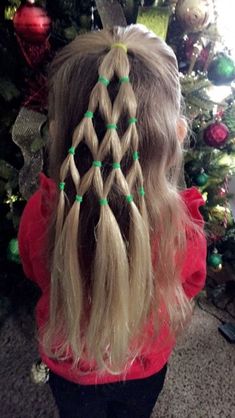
x: 216, y: 134
x: 194, y: 15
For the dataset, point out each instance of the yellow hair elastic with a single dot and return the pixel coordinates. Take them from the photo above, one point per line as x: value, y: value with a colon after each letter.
x: 120, y: 45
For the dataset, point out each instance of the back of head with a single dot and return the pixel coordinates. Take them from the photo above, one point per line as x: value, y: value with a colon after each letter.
x: 114, y: 106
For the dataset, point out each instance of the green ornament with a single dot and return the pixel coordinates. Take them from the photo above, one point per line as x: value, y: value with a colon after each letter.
x: 221, y: 70
x: 201, y: 179
x: 13, y: 251
x: 214, y: 260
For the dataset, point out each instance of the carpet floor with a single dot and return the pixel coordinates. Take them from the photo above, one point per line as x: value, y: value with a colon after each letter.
x: 200, y: 381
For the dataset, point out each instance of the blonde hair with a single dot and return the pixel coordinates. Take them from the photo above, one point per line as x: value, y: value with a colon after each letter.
x: 105, y: 283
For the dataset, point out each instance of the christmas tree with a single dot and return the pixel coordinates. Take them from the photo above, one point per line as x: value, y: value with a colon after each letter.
x: 207, y: 72
x: 31, y: 33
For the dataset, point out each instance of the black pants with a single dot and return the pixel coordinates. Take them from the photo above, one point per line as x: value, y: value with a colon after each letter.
x: 130, y: 399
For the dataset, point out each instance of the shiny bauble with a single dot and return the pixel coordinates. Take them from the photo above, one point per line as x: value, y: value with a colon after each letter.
x: 194, y: 15
x: 214, y: 260
x: 221, y: 70
x: 216, y: 134
x: 32, y: 23
x: 201, y: 179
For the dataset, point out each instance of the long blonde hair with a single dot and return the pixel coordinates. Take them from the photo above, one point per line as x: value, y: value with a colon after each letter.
x: 117, y: 229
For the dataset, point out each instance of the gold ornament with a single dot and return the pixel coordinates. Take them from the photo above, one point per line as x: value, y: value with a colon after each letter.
x: 194, y: 15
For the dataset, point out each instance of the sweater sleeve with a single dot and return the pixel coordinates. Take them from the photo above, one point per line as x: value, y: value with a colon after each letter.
x: 26, y: 221
x: 33, y: 229
x: 194, y: 267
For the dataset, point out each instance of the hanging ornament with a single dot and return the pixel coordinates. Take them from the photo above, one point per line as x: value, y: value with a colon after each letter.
x: 13, y: 251
x: 216, y: 134
x: 194, y: 15
x: 32, y: 23
x: 32, y: 26
x: 221, y: 70
x: 215, y: 261
x: 201, y: 179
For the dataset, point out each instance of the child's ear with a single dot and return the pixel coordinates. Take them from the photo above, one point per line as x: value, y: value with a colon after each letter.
x: 181, y: 129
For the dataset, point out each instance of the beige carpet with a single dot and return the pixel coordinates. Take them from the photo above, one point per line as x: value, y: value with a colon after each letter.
x: 200, y: 381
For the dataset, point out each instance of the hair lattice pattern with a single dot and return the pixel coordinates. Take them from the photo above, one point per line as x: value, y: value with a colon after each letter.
x: 112, y: 144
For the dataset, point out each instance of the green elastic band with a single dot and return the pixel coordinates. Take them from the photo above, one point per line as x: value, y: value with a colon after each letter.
x: 124, y: 79
x: 141, y: 191
x: 129, y: 198
x: 103, y: 202
x: 111, y: 126
x: 132, y: 120
x: 79, y: 198
x: 71, y: 150
x: 89, y: 114
x: 103, y: 80
x: 97, y: 164
x: 62, y: 185
x: 135, y: 155
x: 116, y: 165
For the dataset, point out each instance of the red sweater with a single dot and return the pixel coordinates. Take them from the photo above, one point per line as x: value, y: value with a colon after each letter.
x: 32, y: 231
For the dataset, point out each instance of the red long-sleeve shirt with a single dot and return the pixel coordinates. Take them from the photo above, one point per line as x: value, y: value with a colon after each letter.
x: 32, y: 232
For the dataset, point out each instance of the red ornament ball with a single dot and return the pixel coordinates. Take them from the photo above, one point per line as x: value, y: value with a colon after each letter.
x: 216, y: 134
x: 32, y: 23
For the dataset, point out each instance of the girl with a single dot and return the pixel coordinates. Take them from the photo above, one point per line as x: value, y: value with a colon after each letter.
x: 116, y: 249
